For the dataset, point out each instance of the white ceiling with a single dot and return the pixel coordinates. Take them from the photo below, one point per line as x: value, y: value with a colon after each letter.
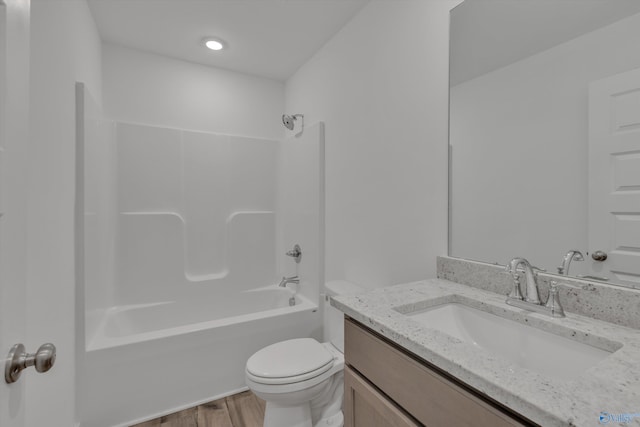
x: 268, y: 38
x: 490, y: 34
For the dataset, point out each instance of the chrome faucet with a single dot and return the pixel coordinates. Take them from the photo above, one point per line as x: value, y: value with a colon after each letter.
x: 531, y: 300
x: 529, y: 275
x: 572, y: 255
x: 287, y: 280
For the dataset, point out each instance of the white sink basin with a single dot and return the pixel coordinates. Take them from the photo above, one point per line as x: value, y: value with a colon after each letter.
x: 523, y: 345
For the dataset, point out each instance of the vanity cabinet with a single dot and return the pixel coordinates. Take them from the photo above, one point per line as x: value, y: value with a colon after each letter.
x: 387, y: 386
x: 365, y: 406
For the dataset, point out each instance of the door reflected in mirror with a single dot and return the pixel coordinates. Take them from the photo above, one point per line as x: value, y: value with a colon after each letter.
x: 545, y: 135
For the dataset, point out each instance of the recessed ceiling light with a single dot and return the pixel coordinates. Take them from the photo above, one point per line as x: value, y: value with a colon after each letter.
x: 214, y: 44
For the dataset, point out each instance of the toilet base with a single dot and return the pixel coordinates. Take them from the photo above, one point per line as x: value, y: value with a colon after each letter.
x: 277, y: 415
x: 336, y: 420
x: 297, y: 416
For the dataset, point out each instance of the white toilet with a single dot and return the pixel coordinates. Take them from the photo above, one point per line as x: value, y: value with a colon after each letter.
x: 302, y: 380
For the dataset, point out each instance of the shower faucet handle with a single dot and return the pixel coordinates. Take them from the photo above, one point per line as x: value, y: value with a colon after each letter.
x: 295, y: 253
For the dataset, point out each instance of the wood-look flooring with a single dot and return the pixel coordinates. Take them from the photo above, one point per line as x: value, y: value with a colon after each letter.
x: 240, y: 410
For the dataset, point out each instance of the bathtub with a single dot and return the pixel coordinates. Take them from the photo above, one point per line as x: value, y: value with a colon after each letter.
x: 148, y: 360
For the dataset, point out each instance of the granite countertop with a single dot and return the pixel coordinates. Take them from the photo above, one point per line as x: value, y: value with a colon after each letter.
x: 611, y: 386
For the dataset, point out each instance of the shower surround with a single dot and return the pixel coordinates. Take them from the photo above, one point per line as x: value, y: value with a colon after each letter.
x: 194, y: 210
x: 185, y: 234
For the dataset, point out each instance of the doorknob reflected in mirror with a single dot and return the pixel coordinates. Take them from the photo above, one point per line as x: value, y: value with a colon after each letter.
x: 18, y: 359
x: 599, y: 256
x: 295, y: 253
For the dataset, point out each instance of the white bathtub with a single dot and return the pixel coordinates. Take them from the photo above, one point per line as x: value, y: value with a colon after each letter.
x: 148, y: 360
x: 137, y: 323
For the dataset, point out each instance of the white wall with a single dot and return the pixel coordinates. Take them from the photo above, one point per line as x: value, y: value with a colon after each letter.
x: 520, y: 154
x: 381, y: 87
x: 300, y: 207
x: 65, y: 48
x: 151, y: 89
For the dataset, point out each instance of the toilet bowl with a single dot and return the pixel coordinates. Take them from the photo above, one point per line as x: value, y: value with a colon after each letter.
x: 302, y: 380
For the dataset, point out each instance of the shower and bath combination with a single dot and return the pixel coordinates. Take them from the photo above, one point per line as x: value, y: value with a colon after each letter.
x: 289, y: 122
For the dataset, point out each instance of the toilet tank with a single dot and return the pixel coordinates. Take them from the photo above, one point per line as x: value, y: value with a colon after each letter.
x: 334, y: 318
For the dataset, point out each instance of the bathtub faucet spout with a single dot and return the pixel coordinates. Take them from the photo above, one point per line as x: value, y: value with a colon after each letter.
x: 286, y: 280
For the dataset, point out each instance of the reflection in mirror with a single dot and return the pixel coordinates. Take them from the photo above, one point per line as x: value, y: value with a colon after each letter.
x: 545, y: 135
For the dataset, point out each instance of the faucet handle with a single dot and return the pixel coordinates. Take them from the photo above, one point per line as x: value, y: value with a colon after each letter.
x: 553, y: 302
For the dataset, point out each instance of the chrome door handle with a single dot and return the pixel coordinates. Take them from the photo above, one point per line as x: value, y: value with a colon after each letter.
x: 599, y: 256
x: 18, y: 360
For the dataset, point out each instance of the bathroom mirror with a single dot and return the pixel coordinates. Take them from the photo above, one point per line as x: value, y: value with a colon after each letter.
x: 545, y: 135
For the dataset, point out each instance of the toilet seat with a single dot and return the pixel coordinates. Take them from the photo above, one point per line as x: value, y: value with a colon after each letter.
x: 289, y: 362
x: 289, y: 380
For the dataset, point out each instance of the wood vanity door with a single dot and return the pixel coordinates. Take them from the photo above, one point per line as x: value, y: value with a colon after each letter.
x: 364, y: 406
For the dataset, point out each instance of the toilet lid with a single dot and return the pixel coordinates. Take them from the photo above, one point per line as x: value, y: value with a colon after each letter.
x: 290, y: 359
